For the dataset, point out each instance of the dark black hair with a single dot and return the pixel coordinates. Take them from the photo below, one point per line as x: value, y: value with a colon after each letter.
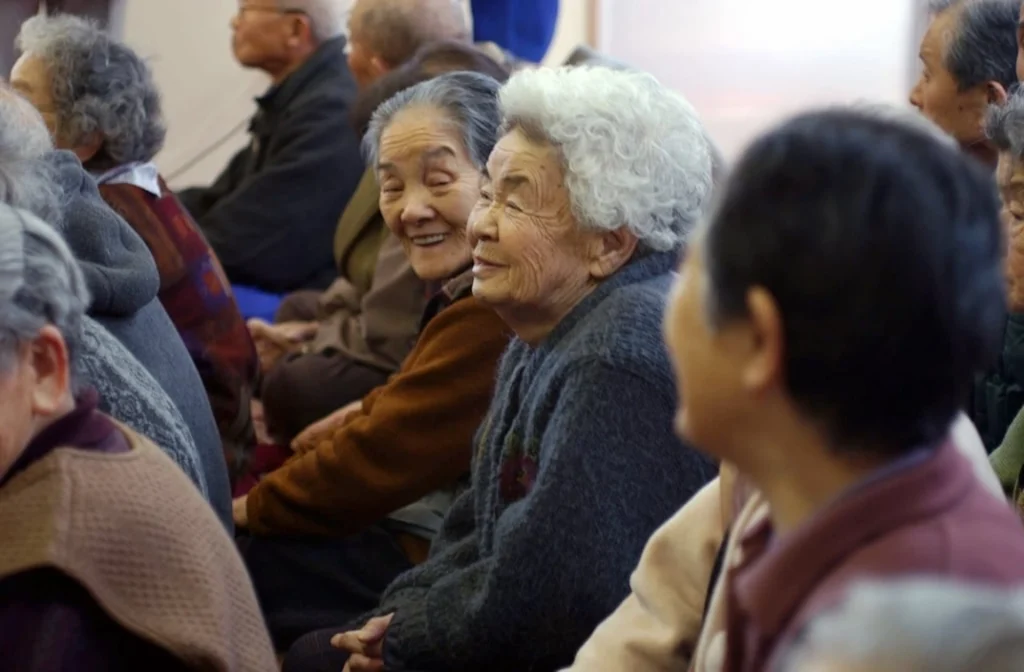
x: 983, y: 47
x: 433, y: 59
x: 882, y: 249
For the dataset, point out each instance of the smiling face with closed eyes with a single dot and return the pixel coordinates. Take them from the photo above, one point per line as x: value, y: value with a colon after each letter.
x: 428, y: 185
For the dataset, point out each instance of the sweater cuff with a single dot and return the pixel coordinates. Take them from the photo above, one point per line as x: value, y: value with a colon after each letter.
x: 407, y: 644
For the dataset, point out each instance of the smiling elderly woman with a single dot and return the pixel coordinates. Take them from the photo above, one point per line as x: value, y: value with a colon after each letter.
x: 99, y: 100
x: 110, y: 558
x: 336, y: 524
x: 586, y: 201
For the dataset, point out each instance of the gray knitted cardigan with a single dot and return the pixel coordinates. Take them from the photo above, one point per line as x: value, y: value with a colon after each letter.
x: 575, y: 466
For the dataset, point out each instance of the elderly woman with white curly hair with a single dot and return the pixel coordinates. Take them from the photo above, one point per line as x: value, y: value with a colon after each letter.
x: 586, y: 201
x: 99, y: 100
x: 110, y: 558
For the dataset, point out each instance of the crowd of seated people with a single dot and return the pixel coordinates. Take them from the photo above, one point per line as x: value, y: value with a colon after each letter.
x: 536, y: 382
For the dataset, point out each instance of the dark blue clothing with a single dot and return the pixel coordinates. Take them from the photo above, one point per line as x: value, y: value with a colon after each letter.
x: 524, y: 27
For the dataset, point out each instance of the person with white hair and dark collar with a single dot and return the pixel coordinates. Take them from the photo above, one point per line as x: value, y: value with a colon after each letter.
x: 592, y: 189
x: 110, y: 558
x: 969, y: 63
x: 272, y: 213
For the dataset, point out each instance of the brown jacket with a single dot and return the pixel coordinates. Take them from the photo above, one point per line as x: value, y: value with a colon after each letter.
x: 371, y: 314
x: 133, y: 531
x: 661, y: 626
x: 413, y: 436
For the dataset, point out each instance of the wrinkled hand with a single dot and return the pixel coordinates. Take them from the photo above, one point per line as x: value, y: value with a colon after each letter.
x: 366, y: 646
x: 274, y: 341
x: 239, y: 511
x: 316, y: 432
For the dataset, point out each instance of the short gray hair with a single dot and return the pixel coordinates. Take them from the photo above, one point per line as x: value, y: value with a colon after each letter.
x: 635, y: 153
x: 26, y: 180
x: 99, y: 86
x: 326, y: 17
x: 468, y: 99
x: 396, y: 29
x: 40, y: 284
x: 920, y: 625
x: 983, y: 47
x: 1004, y: 125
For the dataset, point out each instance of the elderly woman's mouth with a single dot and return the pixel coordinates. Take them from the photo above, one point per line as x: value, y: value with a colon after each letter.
x: 428, y: 241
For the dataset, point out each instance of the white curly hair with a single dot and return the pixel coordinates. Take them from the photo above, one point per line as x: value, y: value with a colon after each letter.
x: 635, y: 153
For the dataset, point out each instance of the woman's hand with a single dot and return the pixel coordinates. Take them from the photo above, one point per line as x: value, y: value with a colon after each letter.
x: 366, y: 646
x: 274, y: 341
x: 239, y: 511
x: 313, y: 434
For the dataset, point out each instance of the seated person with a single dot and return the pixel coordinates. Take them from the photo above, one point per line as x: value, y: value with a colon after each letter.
x: 119, y: 269
x: 356, y: 334
x: 271, y: 214
x: 116, y: 132
x: 574, y: 242
x: 110, y: 559
x: 921, y: 625
x: 359, y: 505
x: 787, y: 331
x: 969, y: 54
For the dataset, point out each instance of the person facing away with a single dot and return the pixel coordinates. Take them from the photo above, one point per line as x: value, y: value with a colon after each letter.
x: 271, y: 214
x: 575, y: 463
x: 789, y: 336
x: 968, y: 63
x: 118, y: 267
x: 66, y: 70
x: 110, y: 558
x: 920, y: 625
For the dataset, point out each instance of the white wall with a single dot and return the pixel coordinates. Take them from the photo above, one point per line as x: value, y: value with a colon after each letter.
x: 208, y: 97
x: 747, y: 63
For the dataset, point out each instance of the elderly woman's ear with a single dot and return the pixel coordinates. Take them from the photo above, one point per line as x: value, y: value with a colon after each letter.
x: 610, y: 251
x: 49, y: 369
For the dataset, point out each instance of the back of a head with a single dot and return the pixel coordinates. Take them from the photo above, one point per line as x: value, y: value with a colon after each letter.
x: 1004, y: 125
x: 881, y: 246
x: 26, y: 180
x: 432, y: 60
x: 983, y: 46
x: 921, y: 625
x: 326, y: 17
x: 395, y: 30
x: 99, y: 86
x: 40, y: 284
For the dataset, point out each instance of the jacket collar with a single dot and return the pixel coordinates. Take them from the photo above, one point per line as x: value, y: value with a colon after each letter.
x: 328, y: 55
x: 776, y: 575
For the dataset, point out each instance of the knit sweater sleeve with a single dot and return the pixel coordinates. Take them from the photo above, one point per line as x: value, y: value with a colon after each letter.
x: 413, y: 436
x: 562, y: 555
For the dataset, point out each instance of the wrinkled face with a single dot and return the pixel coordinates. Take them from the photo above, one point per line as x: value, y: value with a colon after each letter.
x: 959, y: 113
x: 260, y: 33
x: 30, y: 77
x: 16, y: 412
x: 428, y: 185
x: 530, y: 255
x: 707, y: 370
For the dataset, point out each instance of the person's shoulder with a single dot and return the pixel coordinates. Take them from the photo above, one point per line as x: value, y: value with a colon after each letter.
x: 624, y: 330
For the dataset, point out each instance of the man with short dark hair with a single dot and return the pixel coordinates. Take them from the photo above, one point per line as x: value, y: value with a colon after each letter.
x: 272, y: 214
x: 823, y: 345
x: 968, y: 58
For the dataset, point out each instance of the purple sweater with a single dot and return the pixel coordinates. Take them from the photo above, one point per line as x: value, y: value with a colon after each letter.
x: 48, y: 621
x: 928, y: 516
